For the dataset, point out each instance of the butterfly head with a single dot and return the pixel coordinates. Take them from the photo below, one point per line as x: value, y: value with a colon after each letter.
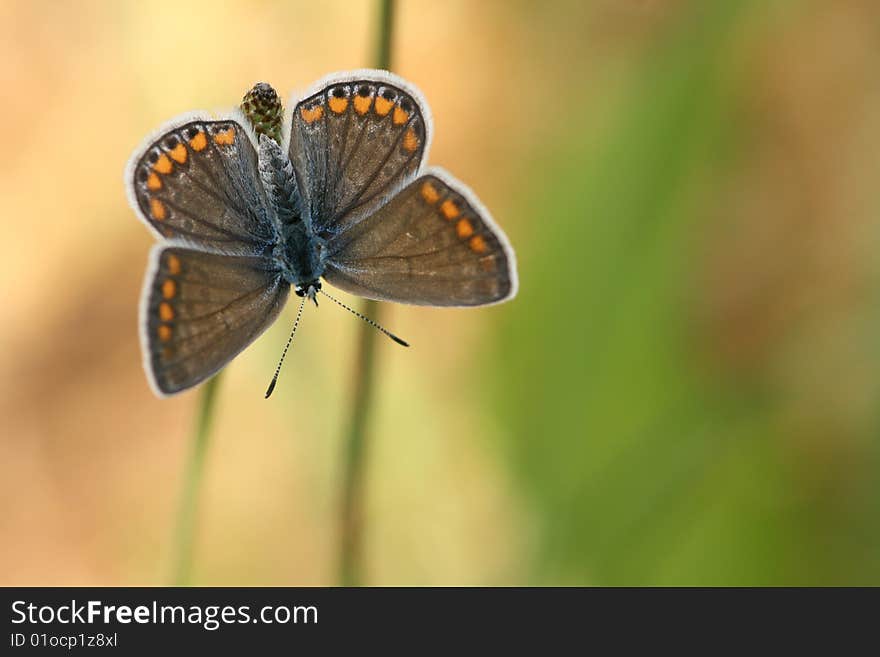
x: 309, y: 290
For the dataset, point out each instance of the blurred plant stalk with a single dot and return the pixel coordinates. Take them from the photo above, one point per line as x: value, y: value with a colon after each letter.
x: 263, y: 108
x: 192, y: 479
x: 352, y: 503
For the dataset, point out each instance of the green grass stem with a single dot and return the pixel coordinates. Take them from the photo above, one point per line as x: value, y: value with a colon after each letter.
x: 192, y: 479
x: 355, y: 455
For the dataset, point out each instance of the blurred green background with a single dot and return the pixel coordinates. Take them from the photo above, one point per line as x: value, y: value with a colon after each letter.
x: 686, y: 390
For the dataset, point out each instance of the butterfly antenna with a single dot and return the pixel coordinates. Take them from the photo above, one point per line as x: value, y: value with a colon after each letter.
x: 286, y: 347
x: 366, y: 319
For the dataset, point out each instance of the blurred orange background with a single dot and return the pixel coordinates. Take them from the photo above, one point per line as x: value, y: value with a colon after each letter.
x: 685, y: 391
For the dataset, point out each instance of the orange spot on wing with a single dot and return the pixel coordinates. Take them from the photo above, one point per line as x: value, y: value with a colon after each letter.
x: 362, y: 104
x: 383, y: 106
x: 410, y: 140
x: 198, y: 142
x: 166, y: 312
x: 337, y: 105
x: 154, y: 182
x: 173, y: 264
x: 311, y: 115
x: 400, y: 116
x: 179, y: 153
x: 164, y: 333
x: 478, y: 244
x: 225, y: 138
x: 169, y: 288
x: 464, y: 228
x: 157, y: 209
x: 449, y: 209
x: 430, y: 193
x: 163, y: 164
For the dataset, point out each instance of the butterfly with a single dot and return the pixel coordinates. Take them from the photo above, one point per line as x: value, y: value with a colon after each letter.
x: 335, y: 190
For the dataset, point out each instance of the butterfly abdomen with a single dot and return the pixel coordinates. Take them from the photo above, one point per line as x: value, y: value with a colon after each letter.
x: 298, y: 251
x: 279, y: 181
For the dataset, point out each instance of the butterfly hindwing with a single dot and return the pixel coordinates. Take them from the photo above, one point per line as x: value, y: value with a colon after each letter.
x: 353, y: 143
x: 200, y: 309
x: 199, y: 182
x: 432, y: 244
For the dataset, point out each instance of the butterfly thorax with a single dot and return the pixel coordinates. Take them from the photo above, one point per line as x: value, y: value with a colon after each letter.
x: 298, y: 252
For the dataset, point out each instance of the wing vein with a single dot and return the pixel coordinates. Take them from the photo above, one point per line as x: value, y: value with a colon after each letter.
x: 199, y: 351
x: 234, y: 237
x: 355, y: 202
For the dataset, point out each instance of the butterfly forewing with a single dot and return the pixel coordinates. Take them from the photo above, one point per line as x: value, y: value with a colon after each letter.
x: 354, y: 143
x: 199, y: 182
x: 432, y: 244
x: 201, y: 309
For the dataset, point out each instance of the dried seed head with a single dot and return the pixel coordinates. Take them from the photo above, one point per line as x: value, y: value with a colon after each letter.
x: 263, y: 108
